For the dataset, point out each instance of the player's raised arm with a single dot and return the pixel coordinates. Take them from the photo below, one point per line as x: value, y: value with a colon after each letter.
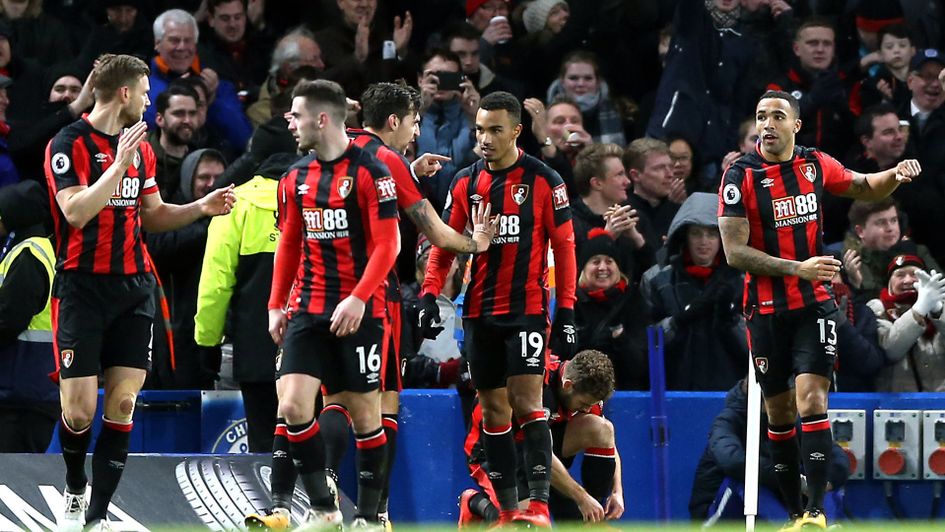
x: 456, y: 215
x: 444, y: 236
x: 878, y: 185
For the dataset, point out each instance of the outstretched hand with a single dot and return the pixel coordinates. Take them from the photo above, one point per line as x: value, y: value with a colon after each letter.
x: 483, y: 227
x: 218, y: 202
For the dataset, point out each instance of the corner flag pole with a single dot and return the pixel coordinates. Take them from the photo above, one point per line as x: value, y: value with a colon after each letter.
x: 659, y: 430
x: 752, y: 448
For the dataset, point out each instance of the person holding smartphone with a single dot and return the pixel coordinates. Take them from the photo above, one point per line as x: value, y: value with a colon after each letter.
x: 449, y: 102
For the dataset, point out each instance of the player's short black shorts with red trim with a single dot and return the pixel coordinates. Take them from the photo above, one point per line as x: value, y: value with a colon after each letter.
x: 391, y: 369
x: 789, y: 343
x: 101, y: 321
x: 499, y: 347
x: 343, y: 364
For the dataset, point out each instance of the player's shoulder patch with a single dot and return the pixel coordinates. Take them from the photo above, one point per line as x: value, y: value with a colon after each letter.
x: 731, y: 194
x: 386, y: 188
x: 60, y: 163
x: 559, y: 196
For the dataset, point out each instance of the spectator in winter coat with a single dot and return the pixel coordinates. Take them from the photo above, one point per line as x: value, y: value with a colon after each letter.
x: 177, y: 255
x: 175, y: 38
x: 876, y: 237
x: 608, y: 312
x: 724, y: 455
x: 704, y: 90
x: 580, y: 80
x: 696, y: 299
x: 909, y: 312
x: 828, y: 107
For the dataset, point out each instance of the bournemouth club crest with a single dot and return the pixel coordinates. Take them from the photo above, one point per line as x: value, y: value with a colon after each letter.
x: 67, y: 356
x: 519, y: 193
x: 809, y: 172
x: 344, y: 186
x: 762, y: 363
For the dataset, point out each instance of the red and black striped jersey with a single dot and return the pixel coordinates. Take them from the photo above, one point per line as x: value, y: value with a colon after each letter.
x: 782, y: 204
x: 531, y: 201
x: 552, y: 402
x: 339, y: 234
x: 110, y: 243
x: 408, y: 188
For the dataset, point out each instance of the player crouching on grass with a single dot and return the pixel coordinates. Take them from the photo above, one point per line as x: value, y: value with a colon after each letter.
x: 574, y: 394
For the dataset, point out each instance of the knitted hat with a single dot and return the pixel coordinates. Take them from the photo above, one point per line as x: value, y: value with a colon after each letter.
x: 473, y: 5
x: 599, y: 242
x: 874, y: 15
x: 901, y: 261
x: 536, y: 14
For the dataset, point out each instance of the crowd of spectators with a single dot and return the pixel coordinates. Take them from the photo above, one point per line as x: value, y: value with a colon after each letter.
x: 639, y: 105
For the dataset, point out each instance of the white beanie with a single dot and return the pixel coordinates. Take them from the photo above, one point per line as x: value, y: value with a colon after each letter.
x: 536, y: 14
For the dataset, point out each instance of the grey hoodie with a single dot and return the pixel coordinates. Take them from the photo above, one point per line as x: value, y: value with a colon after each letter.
x: 700, y: 208
x: 187, y: 170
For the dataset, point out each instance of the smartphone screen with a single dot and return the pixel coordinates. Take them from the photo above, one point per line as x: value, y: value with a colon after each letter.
x: 449, y: 81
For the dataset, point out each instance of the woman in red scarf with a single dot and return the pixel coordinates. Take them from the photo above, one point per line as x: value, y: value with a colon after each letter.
x: 608, y: 312
x: 909, y: 312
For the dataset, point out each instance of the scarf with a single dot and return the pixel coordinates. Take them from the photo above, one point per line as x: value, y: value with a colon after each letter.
x: 841, y: 290
x: 602, y: 295
x: 587, y: 102
x: 892, y: 304
x: 701, y: 273
x: 166, y: 70
x: 723, y: 19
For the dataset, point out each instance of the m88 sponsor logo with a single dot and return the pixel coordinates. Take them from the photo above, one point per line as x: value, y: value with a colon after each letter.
x: 323, y: 224
x: 793, y: 210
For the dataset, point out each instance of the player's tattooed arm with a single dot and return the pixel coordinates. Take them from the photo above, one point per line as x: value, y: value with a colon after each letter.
x: 443, y: 236
x: 741, y: 256
x: 878, y: 185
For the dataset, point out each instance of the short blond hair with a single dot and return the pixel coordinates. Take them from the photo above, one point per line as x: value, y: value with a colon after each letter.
x: 634, y: 157
x: 114, y: 71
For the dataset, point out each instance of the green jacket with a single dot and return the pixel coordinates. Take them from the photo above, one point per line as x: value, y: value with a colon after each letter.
x: 235, y: 280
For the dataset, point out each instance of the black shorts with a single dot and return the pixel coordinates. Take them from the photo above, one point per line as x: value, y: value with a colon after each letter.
x: 391, y: 368
x: 790, y: 343
x: 101, y: 321
x: 343, y: 364
x: 499, y: 347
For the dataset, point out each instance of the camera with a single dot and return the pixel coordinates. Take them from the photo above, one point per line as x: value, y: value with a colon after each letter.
x: 449, y: 81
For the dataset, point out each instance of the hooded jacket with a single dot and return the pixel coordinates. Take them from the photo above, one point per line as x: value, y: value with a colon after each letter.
x: 724, y: 455
x: 177, y: 255
x: 236, y: 275
x: 707, y: 352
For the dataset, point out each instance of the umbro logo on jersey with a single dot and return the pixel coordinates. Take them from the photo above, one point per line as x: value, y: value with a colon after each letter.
x: 767, y: 182
x: 475, y: 198
x: 101, y: 158
x: 303, y: 189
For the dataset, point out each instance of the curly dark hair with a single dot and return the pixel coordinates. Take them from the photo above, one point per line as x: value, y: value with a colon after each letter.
x: 592, y: 373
